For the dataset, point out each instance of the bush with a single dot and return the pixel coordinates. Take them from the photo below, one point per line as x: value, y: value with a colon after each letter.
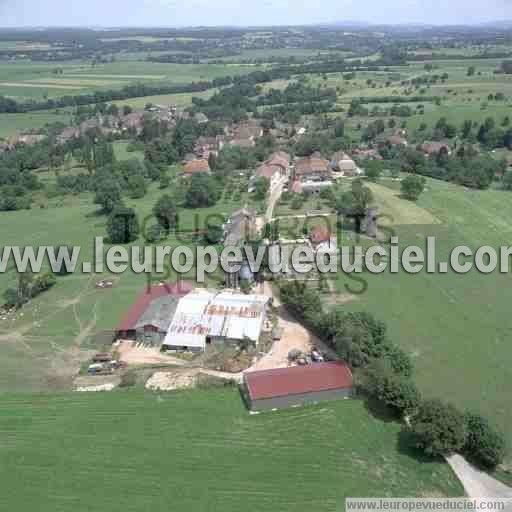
x: 400, y: 361
x: 484, y: 445
x: 413, y: 186
x: 439, y: 428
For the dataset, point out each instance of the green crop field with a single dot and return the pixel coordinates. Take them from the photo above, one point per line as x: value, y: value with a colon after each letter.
x: 201, y: 450
x: 456, y: 327
x: 27, y: 80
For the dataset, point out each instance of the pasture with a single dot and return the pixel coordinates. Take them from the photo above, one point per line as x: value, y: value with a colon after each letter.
x: 42, y: 345
x: 201, y: 450
x: 455, y: 326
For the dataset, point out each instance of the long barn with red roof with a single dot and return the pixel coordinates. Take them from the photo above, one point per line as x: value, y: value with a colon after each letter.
x: 298, y: 385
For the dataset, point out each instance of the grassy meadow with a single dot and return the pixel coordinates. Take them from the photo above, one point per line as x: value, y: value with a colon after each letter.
x: 456, y: 327
x: 43, y: 344
x: 131, y: 450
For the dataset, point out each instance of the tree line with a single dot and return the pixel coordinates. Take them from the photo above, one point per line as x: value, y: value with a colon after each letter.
x: 385, y: 372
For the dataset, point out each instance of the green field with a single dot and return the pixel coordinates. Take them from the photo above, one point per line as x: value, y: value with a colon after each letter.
x: 42, y: 345
x: 456, y: 327
x: 27, y: 80
x: 201, y: 450
x: 11, y: 124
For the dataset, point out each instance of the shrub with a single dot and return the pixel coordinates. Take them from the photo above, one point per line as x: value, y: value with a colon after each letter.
x: 484, y: 445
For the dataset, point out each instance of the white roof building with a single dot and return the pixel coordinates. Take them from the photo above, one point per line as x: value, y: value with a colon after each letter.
x: 204, y: 316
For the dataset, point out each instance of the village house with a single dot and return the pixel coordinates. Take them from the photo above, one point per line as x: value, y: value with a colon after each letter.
x: 397, y: 140
x: 196, y: 166
x: 312, y: 168
x: 368, y: 154
x: 275, y: 168
x: 343, y: 165
x: 243, y: 143
x: 68, y: 134
x: 240, y: 226
x: 434, y: 148
x: 205, y: 146
x: 133, y: 122
x: 27, y: 140
x: 201, y: 118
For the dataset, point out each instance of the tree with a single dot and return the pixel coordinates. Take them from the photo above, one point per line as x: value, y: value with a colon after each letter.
x: 166, y: 213
x: 214, y: 233
x: 297, y: 202
x: 507, y: 180
x: 439, y: 428
x: 471, y: 71
x: 355, y: 203
x: 484, y: 445
x: 397, y: 392
x: 202, y: 192
x: 261, y: 186
x: 137, y: 186
x: 373, y: 170
x: 108, y: 195
x: 339, y: 129
x: 413, y: 186
x: 506, y: 67
x: 123, y: 225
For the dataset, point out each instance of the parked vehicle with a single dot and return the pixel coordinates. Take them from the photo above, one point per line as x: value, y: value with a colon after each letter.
x: 316, y: 356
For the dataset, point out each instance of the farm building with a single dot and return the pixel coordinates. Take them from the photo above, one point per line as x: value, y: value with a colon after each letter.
x: 297, y: 385
x: 205, y: 317
x: 150, y: 316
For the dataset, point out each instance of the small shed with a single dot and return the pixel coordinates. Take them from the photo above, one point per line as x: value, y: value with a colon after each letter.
x: 298, y: 385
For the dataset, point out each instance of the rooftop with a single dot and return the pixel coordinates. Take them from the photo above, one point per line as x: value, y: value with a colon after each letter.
x: 298, y: 379
x: 144, y: 300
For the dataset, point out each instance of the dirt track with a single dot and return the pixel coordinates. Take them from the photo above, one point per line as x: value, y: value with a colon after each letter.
x: 477, y: 484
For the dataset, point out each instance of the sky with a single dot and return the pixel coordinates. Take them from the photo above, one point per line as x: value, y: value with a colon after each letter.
x: 170, y: 13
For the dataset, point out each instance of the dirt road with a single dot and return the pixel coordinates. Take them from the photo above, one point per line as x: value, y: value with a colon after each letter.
x: 477, y: 484
x: 295, y: 336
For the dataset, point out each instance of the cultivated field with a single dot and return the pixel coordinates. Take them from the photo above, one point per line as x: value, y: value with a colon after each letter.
x: 27, y: 80
x: 201, y: 450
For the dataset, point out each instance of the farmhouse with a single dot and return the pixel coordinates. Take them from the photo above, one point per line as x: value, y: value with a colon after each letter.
x: 274, y: 168
x: 207, y: 145
x: 342, y: 164
x: 397, y: 140
x: 206, y: 317
x: 240, y: 226
x: 68, y: 134
x: 434, y: 148
x: 297, y: 386
x: 196, y: 166
x: 313, y: 168
x: 150, y: 316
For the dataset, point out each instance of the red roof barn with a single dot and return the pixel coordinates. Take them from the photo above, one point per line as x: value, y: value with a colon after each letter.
x: 298, y: 385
